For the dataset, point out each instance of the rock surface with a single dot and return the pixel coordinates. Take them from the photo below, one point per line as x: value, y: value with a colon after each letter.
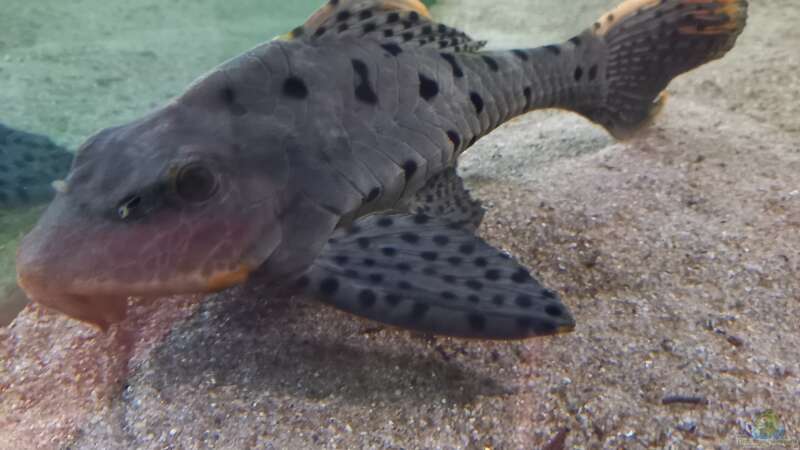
x: 677, y: 252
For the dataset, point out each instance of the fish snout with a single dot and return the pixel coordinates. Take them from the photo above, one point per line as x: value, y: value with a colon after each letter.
x: 42, y: 284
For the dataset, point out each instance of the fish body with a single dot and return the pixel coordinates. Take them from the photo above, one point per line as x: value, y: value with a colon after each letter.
x: 29, y: 163
x: 323, y: 163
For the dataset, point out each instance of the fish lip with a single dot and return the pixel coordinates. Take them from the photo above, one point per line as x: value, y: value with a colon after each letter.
x: 105, y: 303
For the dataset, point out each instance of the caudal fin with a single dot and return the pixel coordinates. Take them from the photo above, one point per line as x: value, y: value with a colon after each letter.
x: 650, y: 42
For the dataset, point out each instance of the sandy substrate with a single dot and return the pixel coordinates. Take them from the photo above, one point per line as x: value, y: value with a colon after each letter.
x: 676, y: 251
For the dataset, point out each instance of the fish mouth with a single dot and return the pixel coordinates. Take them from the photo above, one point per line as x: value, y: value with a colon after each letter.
x: 105, y: 303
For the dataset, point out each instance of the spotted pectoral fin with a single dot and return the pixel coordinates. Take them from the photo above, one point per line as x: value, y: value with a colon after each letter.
x: 416, y: 272
x: 391, y: 23
x: 445, y: 197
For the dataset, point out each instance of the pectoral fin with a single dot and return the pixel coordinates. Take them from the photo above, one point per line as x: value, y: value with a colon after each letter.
x: 416, y: 272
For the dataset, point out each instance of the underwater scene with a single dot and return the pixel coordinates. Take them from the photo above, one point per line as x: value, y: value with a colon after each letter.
x: 518, y: 224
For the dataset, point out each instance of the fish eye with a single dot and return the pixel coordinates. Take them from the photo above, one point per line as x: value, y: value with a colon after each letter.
x: 195, y: 183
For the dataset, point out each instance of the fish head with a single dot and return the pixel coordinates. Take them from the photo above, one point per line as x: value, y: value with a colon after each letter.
x: 169, y: 204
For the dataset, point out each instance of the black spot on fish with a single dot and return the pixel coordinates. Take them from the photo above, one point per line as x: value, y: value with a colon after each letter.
x: 477, y: 101
x: 441, y: 240
x: 388, y: 33
x: 427, y: 29
x: 329, y: 286
x: 520, y: 276
x: 447, y: 295
x: 429, y: 256
x: 295, y: 88
x: 553, y: 49
x: 411, y: 238
x: 385, y: 222
x: 389, y: 251
x: 413, y: 16
x: 369, y: 28
x: 578, y: 73
x: 363, y: 91
x: 454, y: 260
x: 421, y: 219
x: 466, y: 248
x: 297, y: 32
x: 407, y: 36
x: 343, y: 15
x: 498, y: 299
x: 410, y: 168
x: 373, y: 194
x: 419, y: 310
x: 553, y: 310
x: 451, y: 59
x: 450, y: 279
x: 428, y: 88
x: 610, y: 18
x: 537, y: 325
x: 334, y: 2
x: 492, y: 63
x: 392, y: 48
x: 341, y: 260
x: 576, y: 40
x: 351, y: 273
x: 548, y: 294
x: 392, y: 17
x: 429, y: 271
x: 472, y: 298
x: 320, y: 31
x: 492, y: 274
x: 403, y: 267
x: 593, y: 72
x: 477, y: 322
x: 475, y: 285
x: 481, y: 261
x: 521, y: 54
x: 229, y: 97
x: 441, y: 28
x: 404, y: 285
x: 365, y: 14
x: 343, y: 27
x: 524, y: 301
x: 393, y: 299
x: 454, y: 138
x: 363, y: 242
x: 369, y: 262
x: 407, y: 24
x: 367, y: 298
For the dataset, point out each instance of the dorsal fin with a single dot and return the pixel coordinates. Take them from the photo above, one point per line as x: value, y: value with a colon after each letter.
x: 389, y: 22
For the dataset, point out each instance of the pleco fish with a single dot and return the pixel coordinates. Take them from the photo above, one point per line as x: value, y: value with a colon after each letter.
x: 323, y: 163
x: 28, y: 165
